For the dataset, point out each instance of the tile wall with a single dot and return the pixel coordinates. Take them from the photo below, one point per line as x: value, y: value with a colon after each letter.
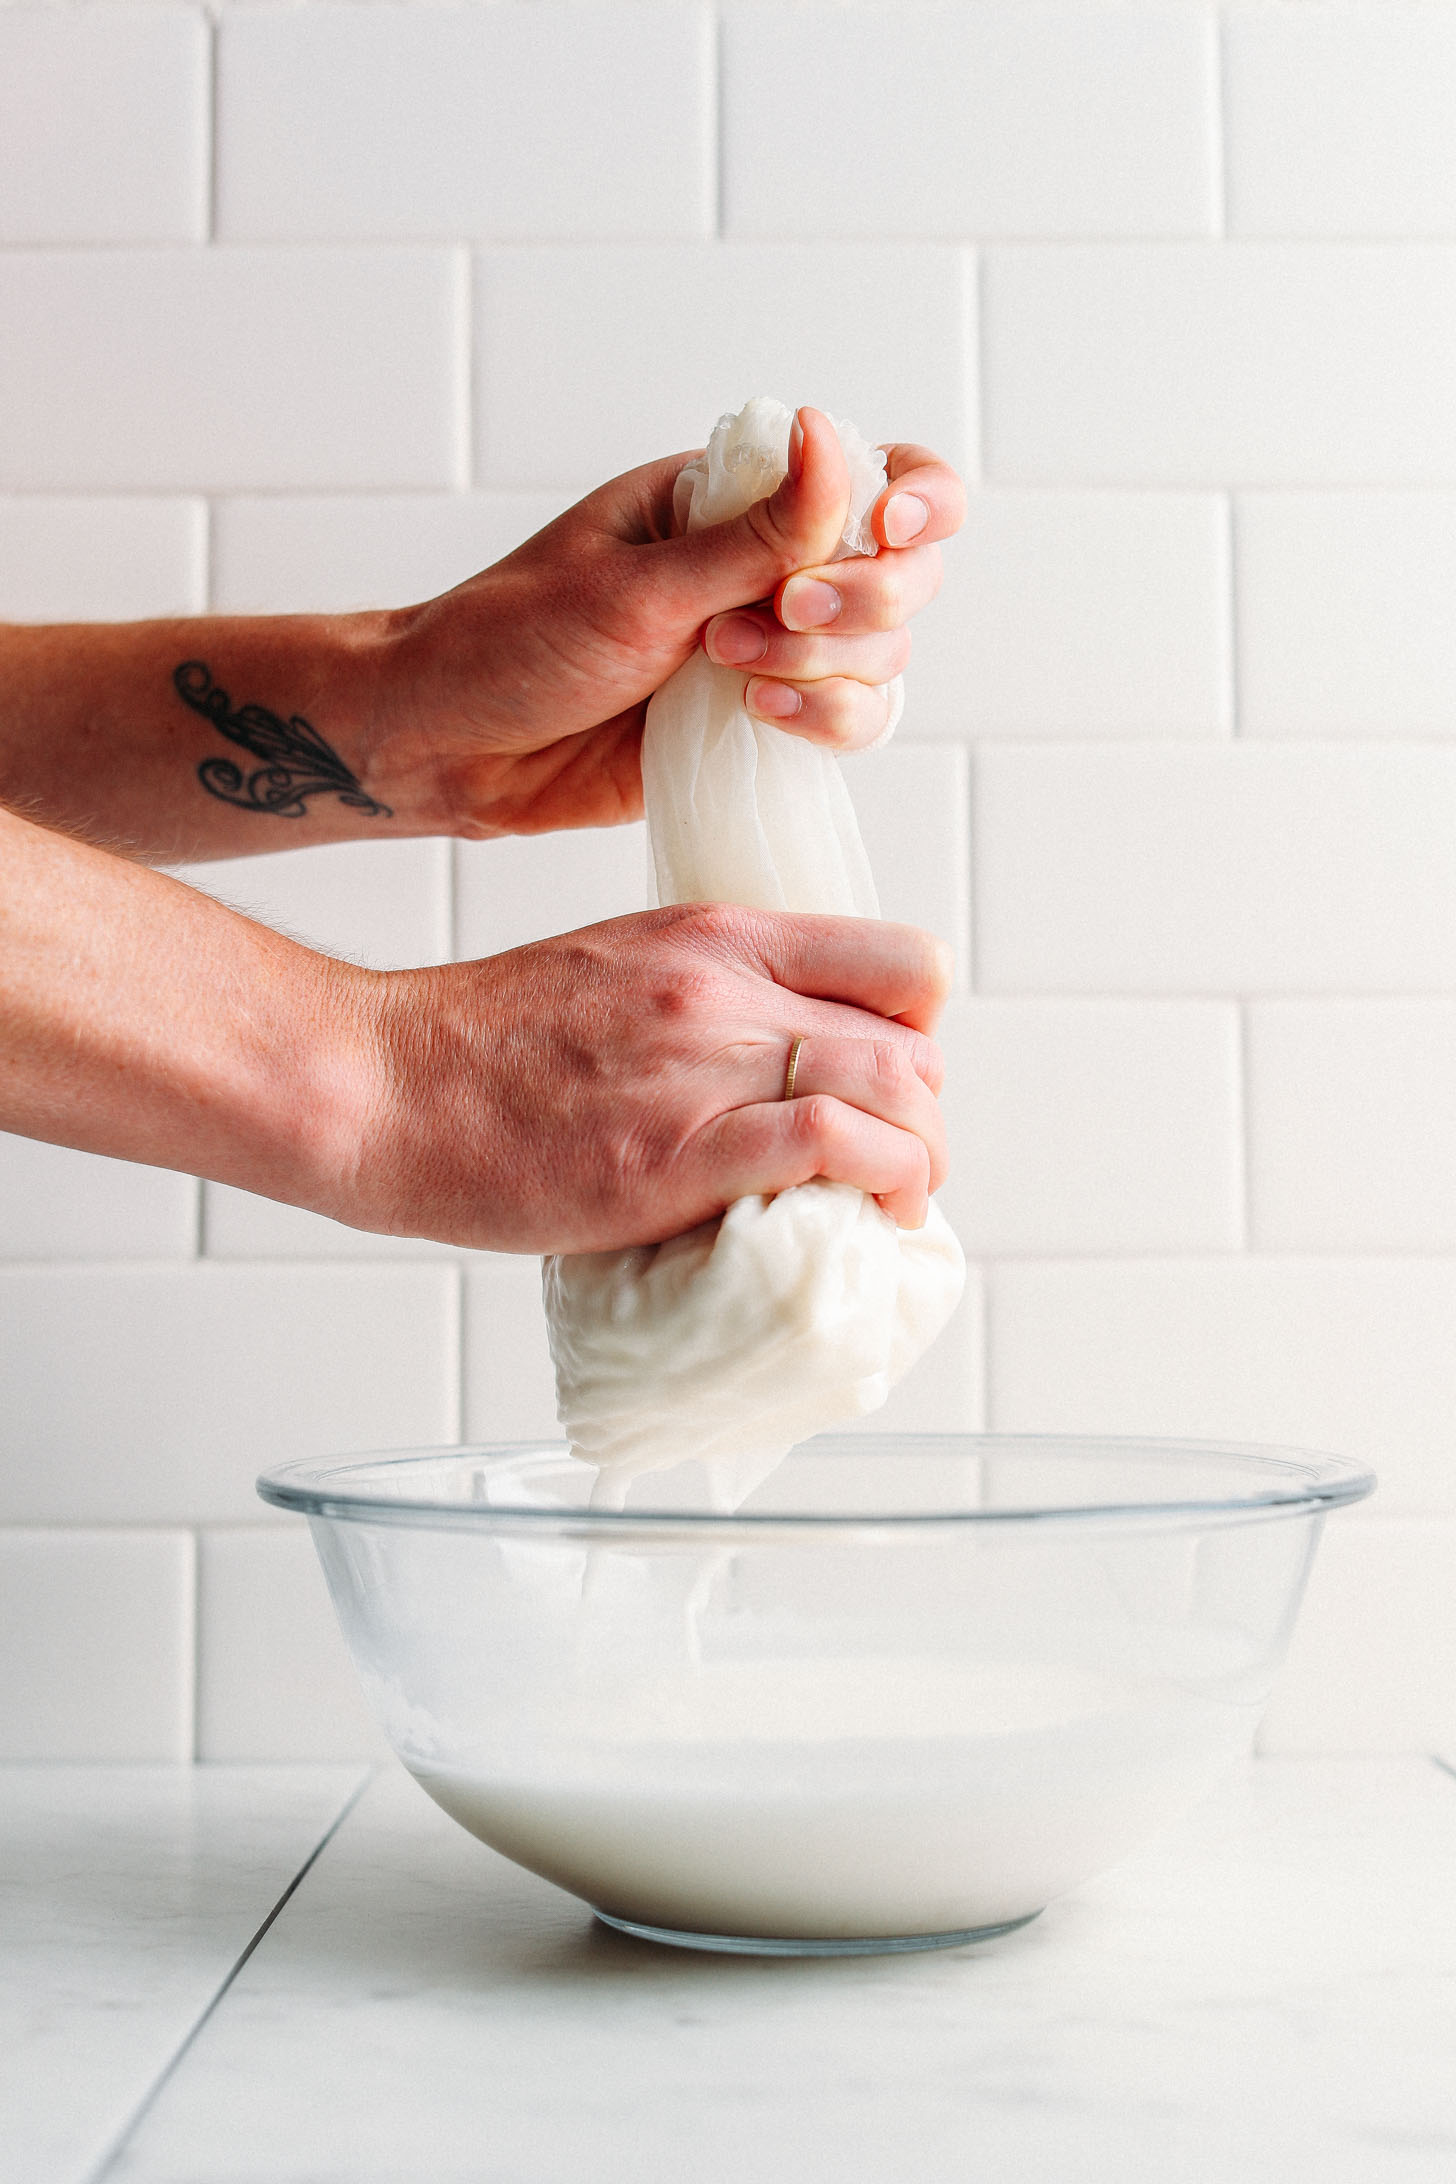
x: 326, y: 305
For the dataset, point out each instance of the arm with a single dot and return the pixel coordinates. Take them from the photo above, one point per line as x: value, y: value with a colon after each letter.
x: 608, y: 1087
x: 512, y: 704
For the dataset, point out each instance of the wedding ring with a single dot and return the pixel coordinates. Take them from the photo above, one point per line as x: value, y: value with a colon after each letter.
x: 793, y: 1069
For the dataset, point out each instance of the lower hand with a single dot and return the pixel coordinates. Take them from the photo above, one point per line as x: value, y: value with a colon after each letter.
x: 619, y: 1085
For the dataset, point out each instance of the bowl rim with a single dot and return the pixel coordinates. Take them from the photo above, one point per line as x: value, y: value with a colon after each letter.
x: 1311, y: 1481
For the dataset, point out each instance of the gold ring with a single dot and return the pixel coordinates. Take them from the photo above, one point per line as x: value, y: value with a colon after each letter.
x: 793, y: 1069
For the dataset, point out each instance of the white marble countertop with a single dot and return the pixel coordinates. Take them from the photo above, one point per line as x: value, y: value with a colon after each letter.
x: 228, y: 1974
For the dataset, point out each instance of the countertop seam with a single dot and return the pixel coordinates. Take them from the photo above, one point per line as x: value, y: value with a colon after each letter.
x: 106, y: 2166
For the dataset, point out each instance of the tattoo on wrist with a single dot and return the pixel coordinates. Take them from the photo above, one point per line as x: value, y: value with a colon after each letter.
x: 297, y: 764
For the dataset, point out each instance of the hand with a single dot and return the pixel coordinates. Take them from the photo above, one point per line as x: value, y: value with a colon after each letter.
x: 619, y: 1085
x: 515, y: 703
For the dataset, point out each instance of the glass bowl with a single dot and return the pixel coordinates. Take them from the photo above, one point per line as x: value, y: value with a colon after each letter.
x: 915, y: 1688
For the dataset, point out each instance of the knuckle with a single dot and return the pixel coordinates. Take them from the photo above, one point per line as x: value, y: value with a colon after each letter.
x: 817, y: 1119
x: 899, y: 651
x: 889, y: 1066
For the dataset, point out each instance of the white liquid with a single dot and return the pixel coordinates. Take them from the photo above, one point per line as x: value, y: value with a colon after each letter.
x: 847, y: 1798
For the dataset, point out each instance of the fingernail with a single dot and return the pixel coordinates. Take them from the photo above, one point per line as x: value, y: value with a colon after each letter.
x: 735, y: 640
x: 905, y: 518
x: 772, y: 700
x: 796, y: 449
x: 806, y: 603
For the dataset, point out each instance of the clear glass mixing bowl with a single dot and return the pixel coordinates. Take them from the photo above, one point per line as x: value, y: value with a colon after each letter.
x: 916, y: 1687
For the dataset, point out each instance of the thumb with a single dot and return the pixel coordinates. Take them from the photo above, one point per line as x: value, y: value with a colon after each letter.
x: 798, y: 527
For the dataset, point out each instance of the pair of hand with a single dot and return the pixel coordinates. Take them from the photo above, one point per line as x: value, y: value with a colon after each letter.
x: 620, y: 1084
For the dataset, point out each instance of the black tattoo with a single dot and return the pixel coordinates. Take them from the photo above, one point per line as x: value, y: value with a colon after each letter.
x: 298, y: 762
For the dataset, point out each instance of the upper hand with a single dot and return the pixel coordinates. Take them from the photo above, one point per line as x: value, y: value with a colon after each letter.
x: 515, y: 703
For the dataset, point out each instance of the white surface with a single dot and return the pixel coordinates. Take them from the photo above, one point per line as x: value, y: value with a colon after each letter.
x: 1350, y: 1355
x: 912, y: 801
x: 274, y: 1678
x: 1093, y: 1126
x: 72, y: 91
x: 1235, y: 363
x: 96, y: 1633
x: 935, y: 143
x: 1352, y: 1125
x: 590, y: 361
x: 1078, y: 614
x: 1264, y: 1995
x: 524, y: 888
x: 1345, y: 622
x: 127, y: 1895
x: 76, y: 560
x: 286, y: 555
x: 144, y: 1395
x: 1371, y: 1664
x: 1341, y: 119
x: 386, y: 904
x: 1280, y: 868
x: 170, y: 369
x: 505, y: 121
x: 59, y: 1204
x: 509, y: 1388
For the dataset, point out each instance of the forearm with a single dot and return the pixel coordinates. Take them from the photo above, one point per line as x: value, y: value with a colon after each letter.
x: 217, y: 737
x: 141, y: 1019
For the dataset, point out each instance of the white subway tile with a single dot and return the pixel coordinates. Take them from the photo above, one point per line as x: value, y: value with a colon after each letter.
x: 103, y: 116
x: 913, y: 804
x: 1340, y: 120
x: 230, y: 370
x: 285, y: 555
x: 118, y: 560
x: 274, y: 1678
x: 1352, y: 1125
x: 678, y: 334
x: 510, y: 1391
x: 1078, y: 614
x: 911, y: 800
x: 1093, y: 1126
x: 386, y: 903
x: 1239, y: 364
x: 945, y: 1390
x: 238, y: 1225
x: 1372, y: 1665
x: 1019, y: 120
x: 1345, y: 625
x: 96, y: 1636
x: 1353, y: 1356
x: 545, y: 121
x: 524, y: 887
x: 60, y: 1204
x: 145, y: 1395
x: 1200, y: 868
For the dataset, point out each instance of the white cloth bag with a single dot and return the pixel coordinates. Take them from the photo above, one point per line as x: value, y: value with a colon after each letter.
x: 789, y: 1314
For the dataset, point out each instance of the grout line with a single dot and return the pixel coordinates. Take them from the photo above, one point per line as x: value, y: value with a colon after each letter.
x: 194, y: 1695
x: 1232, y: 662
x: 456, y: 1346
x: 973, y: 338
x: 107, y: 2164
x: 213, y: 34
x: 716, y: 133
x: 973, y: 864
x: 1219, y: 146
x: 465, y: 370
x: 1242, y: 1134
